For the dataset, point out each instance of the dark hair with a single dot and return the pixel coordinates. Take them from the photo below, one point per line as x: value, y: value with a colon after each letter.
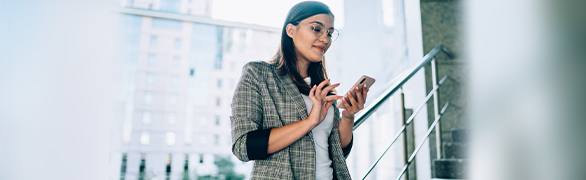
x: 286, y: 58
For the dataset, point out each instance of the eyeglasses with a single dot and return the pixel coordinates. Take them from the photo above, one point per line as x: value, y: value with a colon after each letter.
x: 319, y: 30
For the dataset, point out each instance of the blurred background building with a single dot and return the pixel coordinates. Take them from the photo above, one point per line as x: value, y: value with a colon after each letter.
x: 178, y: 70
x: 517, y: 81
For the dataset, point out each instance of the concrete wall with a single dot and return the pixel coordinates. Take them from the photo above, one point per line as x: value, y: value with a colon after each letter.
x: 442, y: 24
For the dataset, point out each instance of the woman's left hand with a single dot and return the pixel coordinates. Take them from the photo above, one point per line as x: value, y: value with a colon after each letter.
x: 353, y: 105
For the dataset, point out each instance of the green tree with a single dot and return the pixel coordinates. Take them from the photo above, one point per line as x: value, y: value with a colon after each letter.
x: 186, y: 175
x: 225, y: 170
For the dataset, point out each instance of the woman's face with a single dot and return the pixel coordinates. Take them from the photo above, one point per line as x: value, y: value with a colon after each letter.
x: 308, y: 46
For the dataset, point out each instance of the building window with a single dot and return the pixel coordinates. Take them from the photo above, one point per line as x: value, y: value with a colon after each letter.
x: 230, y: 36
x: 145, y: 138
x: 218, y: 62
x: 219, y: 54
x: 173, y: 99
x: 171, y: 118
x: 201, y: 158
x: 218, y: 120
x: 151, y: 6
x: 177, y: 43
x: 216, y: 139
x: 219, y: 83
x: 218, y: 101
x: 148, y: 97
x: 152, y: 59
x: 150, y: 78
x: 170, y: 138
x: 172, y: 6
x: 154, y: 40
x: 174, y: 80
x: 167, y: 24
x: 191, y: 72
x: 146, y: 117
x: 176, y: 62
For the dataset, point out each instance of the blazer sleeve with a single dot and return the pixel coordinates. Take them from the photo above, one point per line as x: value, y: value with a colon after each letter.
x: 249, y: 139
x: 346, y: 151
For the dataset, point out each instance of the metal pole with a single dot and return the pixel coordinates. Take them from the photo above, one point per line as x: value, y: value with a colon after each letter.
x: 409, y: 121
x: 438, y: 137
x: 405, y: 142
x: 433, y: 125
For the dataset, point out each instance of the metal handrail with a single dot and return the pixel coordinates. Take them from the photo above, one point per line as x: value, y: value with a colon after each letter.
x: 419, y: 108
x: 429, y: 57
x: 395, y: 87
x: 423, y: 142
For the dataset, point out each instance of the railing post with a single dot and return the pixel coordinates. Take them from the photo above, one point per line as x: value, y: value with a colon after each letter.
x: 438, y: 134
x: 405, y: 142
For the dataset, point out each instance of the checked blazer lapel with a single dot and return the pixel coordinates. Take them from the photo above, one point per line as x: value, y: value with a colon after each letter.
x: 294, y: 93
x: 302, y: 152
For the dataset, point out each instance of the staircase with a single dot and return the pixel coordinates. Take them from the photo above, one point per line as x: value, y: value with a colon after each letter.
x: 454, y: 163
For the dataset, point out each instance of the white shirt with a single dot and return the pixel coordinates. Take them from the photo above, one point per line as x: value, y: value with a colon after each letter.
x: 321, y: 133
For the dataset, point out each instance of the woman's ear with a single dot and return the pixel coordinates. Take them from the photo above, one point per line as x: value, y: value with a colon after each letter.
x: 290, y: 30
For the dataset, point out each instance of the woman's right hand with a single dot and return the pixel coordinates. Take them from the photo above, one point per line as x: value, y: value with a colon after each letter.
x: 321, y: 101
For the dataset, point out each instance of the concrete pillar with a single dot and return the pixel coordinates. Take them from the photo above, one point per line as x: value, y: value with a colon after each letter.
x: 132, y: 166
x: 177, y: 164
x: 115, y: 165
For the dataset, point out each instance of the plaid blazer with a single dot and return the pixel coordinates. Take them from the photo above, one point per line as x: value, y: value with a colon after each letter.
x: 264, y: 100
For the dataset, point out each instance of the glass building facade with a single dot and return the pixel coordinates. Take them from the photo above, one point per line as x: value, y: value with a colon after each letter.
x: 172, y: 114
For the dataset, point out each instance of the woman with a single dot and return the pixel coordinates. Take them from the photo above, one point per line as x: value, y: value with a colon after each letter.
x: 282, y: 113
